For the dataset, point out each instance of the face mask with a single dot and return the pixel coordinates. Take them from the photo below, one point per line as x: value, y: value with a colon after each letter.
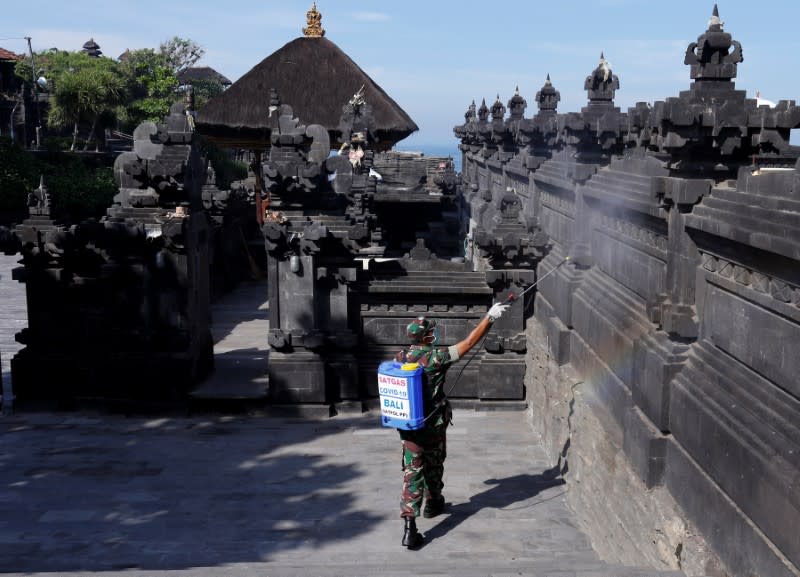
x: 433, y: 337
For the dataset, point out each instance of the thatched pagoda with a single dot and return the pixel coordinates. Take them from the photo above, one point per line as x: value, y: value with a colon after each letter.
x: 317, y: 78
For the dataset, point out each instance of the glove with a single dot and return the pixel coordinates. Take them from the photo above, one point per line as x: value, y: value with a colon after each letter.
x: 496, y: 311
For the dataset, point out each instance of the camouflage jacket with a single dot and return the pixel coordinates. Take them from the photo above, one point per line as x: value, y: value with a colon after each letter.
x: 434, y: 362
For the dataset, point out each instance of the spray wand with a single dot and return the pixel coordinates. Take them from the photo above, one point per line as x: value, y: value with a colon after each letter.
x: 510, y: 299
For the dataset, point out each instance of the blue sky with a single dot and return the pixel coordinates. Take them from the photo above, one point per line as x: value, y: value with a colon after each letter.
x: 435, y: 57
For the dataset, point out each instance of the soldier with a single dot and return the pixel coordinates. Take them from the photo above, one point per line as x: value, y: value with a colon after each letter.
x: 424, y: 450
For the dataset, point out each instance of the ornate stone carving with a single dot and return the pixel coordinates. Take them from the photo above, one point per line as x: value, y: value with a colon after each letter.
x: 602, y: 83
x: 709, y: 56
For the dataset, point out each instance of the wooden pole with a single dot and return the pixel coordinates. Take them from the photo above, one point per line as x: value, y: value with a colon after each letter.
x: 259, y: 188
x: 34, y: 91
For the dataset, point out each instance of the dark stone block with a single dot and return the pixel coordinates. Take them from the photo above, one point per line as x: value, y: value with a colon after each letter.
x: 740, y: 429
x: 604, y: 385
x: 501, y: 377
x: 609, y: 322
x: 645, y: 446
x: 296, y: 378
x: 559, y: 288
x: 656, y: 361
x: 752, y: 333
x: 680, y: 190
x: 464, y: 382
x: 342, y: 377
x: 724, y: 526
x: 558, y: 335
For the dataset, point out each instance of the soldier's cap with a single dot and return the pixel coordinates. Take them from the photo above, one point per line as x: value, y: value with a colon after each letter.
x: 418, y: 328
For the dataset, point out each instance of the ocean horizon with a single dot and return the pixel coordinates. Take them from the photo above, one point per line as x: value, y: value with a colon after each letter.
x: 434, y: 150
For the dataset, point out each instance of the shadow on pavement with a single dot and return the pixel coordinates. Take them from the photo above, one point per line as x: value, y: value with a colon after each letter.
x: 501, y: 494
x: 84, y: 494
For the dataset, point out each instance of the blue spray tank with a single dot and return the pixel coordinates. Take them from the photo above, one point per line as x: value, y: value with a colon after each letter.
x: 400, y: 390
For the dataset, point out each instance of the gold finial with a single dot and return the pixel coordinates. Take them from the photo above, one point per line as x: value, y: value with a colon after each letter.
x: 314, y: 20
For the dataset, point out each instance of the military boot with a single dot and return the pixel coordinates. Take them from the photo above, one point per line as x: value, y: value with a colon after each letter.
x: 433, y: 506
x: 411, y: 537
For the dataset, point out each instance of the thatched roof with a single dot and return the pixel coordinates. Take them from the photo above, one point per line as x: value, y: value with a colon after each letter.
x: 317, y: 79
x: 202, y: 74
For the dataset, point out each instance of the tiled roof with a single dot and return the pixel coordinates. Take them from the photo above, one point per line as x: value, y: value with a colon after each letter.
x: 8, y: 55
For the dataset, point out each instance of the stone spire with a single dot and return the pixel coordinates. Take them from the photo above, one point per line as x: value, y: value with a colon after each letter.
x: 714, y: 23
x: 39, y: 200
x: 547, y: 98
x: 517, y: 105
x: 314, y: 21
x: 471, y: 115
x: 602, y: 83
x: 709, y: 57
x: 498, y: 110
x: 483, y: 111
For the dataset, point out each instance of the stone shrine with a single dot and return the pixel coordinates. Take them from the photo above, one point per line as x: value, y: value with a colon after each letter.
x: 119, y: 308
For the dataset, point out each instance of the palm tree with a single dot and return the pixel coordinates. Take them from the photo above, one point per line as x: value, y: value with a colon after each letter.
x: 65, y: 106
x: 85, y: 94
x: 102, y: 97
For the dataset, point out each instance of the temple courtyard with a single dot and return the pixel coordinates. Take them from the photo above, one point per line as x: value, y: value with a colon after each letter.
x: 165, y: 490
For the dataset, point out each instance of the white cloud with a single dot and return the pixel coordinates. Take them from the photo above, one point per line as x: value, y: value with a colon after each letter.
x: 371, y: 16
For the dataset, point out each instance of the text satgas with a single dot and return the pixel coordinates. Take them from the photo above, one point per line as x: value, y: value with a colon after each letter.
x: 392, y: 381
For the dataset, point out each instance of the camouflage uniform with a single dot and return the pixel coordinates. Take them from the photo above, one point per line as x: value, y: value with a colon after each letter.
x: 425, y: 449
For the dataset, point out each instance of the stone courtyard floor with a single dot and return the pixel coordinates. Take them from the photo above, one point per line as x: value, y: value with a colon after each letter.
x: 209, y: 494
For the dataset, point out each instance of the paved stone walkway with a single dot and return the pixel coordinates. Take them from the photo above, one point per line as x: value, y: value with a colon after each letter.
x: 240, y: 321
x: 213, y: 495
x: 13, y: 318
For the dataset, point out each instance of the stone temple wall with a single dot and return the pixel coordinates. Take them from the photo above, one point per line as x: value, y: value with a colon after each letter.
x: 118, y: 308
x: 671, y: 334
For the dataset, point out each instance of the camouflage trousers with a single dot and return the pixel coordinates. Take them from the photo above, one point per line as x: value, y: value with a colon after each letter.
x: 424, y: 452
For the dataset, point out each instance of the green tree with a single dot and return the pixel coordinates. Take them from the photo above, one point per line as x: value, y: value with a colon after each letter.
x: 77, y: 189
x: 18, y: 173
x: 90, y: 90
x: 85, y: 91
x: 181, y: 53
x: 205, y: 90
x: 151, y: 86
x: 227, y: 169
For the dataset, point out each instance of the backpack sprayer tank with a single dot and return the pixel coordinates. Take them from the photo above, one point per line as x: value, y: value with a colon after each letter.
x: 400, y: 390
